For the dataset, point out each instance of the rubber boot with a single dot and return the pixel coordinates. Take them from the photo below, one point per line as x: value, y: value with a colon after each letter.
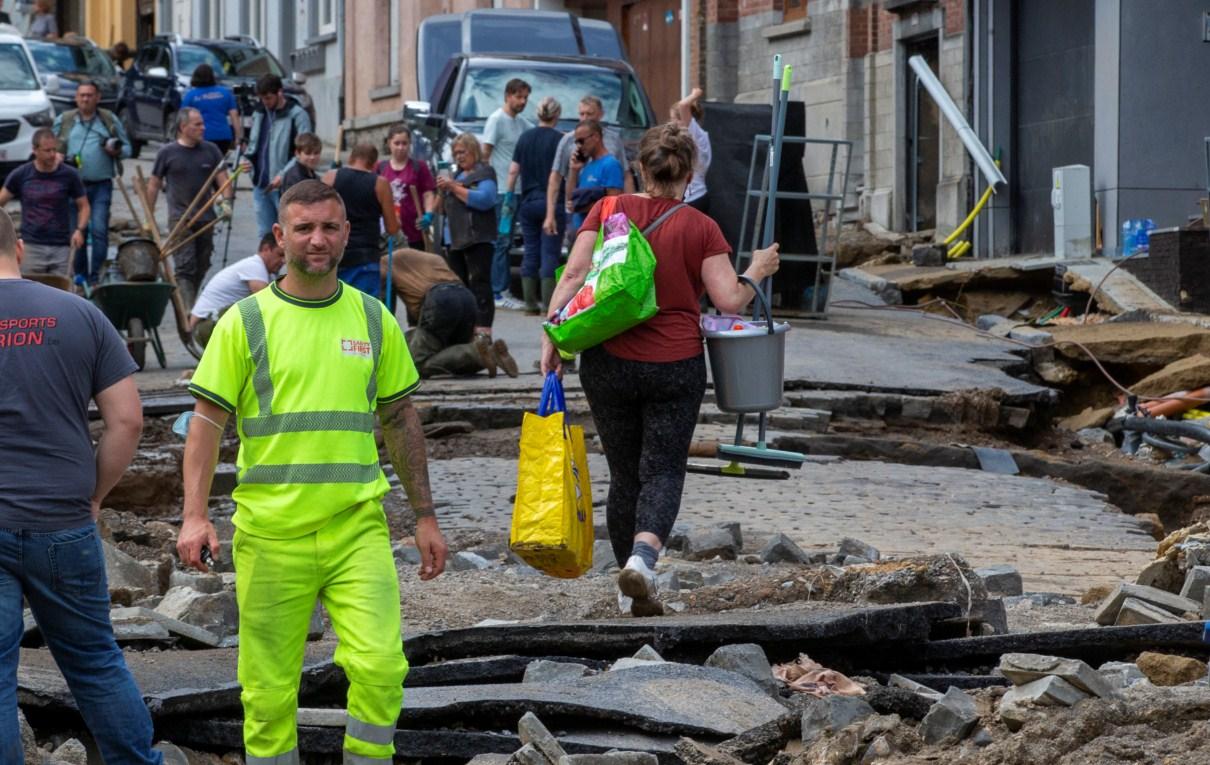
x: 548, y: 291
x: 529, y: 292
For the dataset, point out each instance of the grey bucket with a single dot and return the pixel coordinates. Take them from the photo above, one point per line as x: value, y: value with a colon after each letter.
x: 748, y: 365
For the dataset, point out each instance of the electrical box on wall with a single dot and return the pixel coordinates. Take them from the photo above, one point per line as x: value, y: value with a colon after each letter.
x: 1071, y: 199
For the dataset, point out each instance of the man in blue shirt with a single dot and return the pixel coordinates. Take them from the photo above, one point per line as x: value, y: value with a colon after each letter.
x: 93, y: 141
x: 593, y: 171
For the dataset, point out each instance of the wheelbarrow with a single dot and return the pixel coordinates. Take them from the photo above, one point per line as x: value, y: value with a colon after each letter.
x: 136, y: 309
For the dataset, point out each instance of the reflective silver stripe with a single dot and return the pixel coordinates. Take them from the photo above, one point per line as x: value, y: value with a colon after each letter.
x: 374, y: 324
x: 360, y: 759
x: 258, y: 345
x: 338, y: 472
x: 301, y: 422
x: 285, y: 758
x: 371, y: 734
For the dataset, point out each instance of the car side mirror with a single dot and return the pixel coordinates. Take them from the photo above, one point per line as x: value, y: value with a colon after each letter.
x: 299, y: 78
x: 157, y: 71
x: 416, y: 109
x: 51, y: 83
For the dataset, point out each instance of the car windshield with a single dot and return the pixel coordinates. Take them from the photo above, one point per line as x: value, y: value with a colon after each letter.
x: 71, y: 59
x: 15, y: 70
x: 483, y: 91
x: 227, y: 60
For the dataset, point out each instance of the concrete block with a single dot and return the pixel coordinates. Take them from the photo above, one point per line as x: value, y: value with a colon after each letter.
x: 1135, y: 611
x: 747, y: 659
x: 533, y: 733
x: 647, y: 653
x: 1121, y: 674
x: 529, y: 755
x: 1049, y: 691
x: 1195, y: 583
x: 899, y: 681
x: 855, y: 547
x: 1107, y: 613
x: 1030, y: 336
x: 704, y: 544
x: 1022, y: 668
x: 1001, y: 580
x: 782, y: 549
x: 831, y: 713
x: 602, y: 557
x: 405, y: 553
x: 207, y: 583
x: 468, y: 561
x: 544, y: 671
x: 950, y: 719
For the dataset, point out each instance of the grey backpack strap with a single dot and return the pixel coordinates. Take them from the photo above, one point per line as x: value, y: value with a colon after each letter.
x: 651, y: 227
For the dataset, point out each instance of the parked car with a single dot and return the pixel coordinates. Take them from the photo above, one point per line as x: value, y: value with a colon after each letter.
x: 24, y: 105
x: 471, y: 87
x: 160, y: 73
x: 506, y: 30
x: 74, y: 59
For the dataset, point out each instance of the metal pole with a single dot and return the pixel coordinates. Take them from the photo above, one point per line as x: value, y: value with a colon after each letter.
x: 954, y: 116
x: 914, y: 167
x: 686, y: 13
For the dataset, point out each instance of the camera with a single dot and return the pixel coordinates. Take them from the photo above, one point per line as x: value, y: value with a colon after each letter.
x: 113, y: 144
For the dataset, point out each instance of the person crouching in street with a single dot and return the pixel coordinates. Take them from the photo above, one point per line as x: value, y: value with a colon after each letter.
x: 645, y: 385
x: 234, y: 283
x: 58, y: 352
x: 441, y: 311
x: 309, y: 518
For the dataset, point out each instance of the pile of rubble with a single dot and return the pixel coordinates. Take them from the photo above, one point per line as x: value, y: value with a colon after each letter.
x: 1171, y: 589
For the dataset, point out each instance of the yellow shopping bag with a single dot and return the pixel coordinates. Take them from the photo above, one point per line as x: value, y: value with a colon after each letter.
x: 552, y: 516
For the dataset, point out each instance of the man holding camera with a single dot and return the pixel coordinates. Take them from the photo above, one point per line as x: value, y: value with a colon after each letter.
x: 93, y: 141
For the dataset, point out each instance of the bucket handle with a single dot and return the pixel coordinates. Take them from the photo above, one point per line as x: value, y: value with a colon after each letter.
x: 760, y: 301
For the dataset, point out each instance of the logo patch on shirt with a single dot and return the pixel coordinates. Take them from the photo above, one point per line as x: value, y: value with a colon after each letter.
x: 355, y: 348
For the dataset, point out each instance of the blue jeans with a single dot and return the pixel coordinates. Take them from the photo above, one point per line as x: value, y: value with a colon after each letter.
x: 501, y: 273
x: 62, y: 575
x: 266, y: 209
x: 99, y: 194
x: 542, y: 251
x: 365, y: 277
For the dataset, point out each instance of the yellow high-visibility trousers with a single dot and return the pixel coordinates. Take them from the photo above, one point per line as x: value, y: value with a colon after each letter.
x: 349, y: 565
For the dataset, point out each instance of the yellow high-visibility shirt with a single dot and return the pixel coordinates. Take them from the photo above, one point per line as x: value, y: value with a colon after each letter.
x: 304, y: 378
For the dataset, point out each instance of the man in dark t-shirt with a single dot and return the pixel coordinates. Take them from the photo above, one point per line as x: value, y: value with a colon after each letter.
x: 58, y: 352
x: 183, y: 166
x: 46, y: 189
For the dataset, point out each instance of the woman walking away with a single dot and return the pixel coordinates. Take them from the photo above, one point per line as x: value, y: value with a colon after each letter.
x: 469, y: 201
x: 532, y: 160
x: 217, y: 105
x: 645, y: 386
x: 411, y: 182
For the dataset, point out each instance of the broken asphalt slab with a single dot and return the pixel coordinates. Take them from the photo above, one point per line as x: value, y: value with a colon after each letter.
x: 1095, y: 646
x: 783, y: 634
x: 418, y: 744
x: 657, y: 698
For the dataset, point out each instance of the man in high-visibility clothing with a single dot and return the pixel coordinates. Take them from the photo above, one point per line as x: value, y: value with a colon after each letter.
x: 304, y: 365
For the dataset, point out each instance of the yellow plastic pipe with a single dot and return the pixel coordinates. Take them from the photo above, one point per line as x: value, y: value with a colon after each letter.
x: 959, y: 250
x: 970, y: 218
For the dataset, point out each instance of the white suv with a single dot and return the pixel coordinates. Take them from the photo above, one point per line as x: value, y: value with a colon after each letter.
x: 24, y: 106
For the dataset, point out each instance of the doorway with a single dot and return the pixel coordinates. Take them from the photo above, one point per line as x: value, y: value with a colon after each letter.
x: 651, y: 30
x: 923, y: 131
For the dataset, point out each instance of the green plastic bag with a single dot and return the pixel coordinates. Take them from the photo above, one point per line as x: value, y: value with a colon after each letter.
x: 619, y: 291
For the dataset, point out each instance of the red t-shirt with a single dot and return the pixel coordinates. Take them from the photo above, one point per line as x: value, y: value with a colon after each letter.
x: 414, y: 174
x: 680, y: 245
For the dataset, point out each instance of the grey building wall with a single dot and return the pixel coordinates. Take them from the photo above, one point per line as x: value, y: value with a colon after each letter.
x: 1152, y: 112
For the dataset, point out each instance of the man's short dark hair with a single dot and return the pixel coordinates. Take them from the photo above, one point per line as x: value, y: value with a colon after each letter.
x: 306, y: 193
x: 43, y: 133
x: 516, y: 85
x: 267, y: 241
x: 591, y: 126
x: 364, y: 152
x: 8, y: 236
x: 269, y: 83
x: 88, y: 84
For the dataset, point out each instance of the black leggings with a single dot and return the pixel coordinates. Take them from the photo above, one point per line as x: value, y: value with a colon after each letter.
x: 645, y: 414
x: 474, y: 267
